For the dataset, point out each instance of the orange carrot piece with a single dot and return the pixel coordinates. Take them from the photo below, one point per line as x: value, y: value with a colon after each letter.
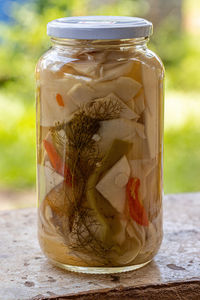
x: 56, y: 162
x: 59, y: 100
x: 136, y: 209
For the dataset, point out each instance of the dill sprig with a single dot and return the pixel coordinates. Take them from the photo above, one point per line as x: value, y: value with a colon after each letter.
x: 103, y: 109
x: 84, y: 237
x: 81, y: 154
x: 81, y: 130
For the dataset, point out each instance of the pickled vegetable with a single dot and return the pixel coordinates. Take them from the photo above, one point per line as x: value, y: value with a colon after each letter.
x: 99, y: 166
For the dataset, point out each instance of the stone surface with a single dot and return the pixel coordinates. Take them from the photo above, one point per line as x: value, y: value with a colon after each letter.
x: 174, y: 273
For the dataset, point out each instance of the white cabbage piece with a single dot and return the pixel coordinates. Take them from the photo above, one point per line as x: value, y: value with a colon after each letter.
x: 46, y: 227
x: 122, y: 129
x: 133, y: 229
x: 47, y: 180
x: 88, y: 63
x: 140, y: 130
x: 97, y: 56
x: 76, y: 92
x: 81, y: 94
x: 137, y: 103
x: 127, y: 88
x: 151, y: 115
x: 141, y: 168
x: 125, y: 113
x: 118, y: 55
x: 120, y: 237
x: 110, y: 71
x: 47, y: 75
x: 87, y: 68
x: 51, y: 111
x: 47, y: 212
x: 48, y: 177
x: 45, y: 220
x: 149, y: 237
x: 115, y: 193
x: 100, y: 66
x: 123, y: 87
x: 139, y: 149
x: 52, y: 178
x: 151, y: 240
x: 129, y: 251
x: 50, y: 86
x: 52, y: 78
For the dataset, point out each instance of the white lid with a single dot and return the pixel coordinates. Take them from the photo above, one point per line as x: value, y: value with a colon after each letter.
x: 99, y: 27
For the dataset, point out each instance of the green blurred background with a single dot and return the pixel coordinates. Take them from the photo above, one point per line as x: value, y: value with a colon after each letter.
x: 177, y: 41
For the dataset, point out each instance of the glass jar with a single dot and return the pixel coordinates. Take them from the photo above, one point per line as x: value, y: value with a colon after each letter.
x: 100, y: 145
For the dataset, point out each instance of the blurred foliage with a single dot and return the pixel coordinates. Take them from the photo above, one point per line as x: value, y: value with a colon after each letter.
x: 180, y: 53
x: 182, y: 158
x: 24, y: 40
x: 182, y: 142
x: 17, y: 142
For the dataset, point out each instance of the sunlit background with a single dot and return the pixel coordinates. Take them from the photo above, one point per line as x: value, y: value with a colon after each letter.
x: 23, y: 39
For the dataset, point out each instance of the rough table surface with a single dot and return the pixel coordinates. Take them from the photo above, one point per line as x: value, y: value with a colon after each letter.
x: 174, y: 273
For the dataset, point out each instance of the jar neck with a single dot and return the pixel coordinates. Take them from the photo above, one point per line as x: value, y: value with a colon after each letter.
x: 121, y: 44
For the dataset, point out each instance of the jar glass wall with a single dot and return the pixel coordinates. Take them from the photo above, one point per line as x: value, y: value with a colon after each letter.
x: 99, y: 154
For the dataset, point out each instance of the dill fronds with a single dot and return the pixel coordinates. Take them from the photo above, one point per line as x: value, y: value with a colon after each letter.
x: 81, y: 154
x: 103, y: 109
x: 81, y: 130
x: 84, y: 237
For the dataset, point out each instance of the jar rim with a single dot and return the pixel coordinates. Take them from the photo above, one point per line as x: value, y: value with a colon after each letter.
x: 99, y: 27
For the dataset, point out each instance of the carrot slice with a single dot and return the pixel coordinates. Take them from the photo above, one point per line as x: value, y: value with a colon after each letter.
x: 136, y: 209
x: 56, y: 162
x: 59, y: 100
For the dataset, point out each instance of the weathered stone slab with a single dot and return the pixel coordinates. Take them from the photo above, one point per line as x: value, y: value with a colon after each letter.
x: 174, y: 274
